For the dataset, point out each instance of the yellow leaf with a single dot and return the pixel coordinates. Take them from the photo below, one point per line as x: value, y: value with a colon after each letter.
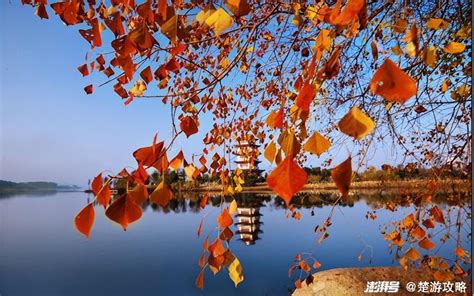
x: 461, y: 93
x: 138, y: 88
x: 235, y: 272
x: 397, y: 50
x: 356, y: 123
x: 219, y: 21
x: 324, y: 40
x: 202, y: 16
x: 317, y: 144
x: 437, y: 23
x: 233, y: 207
x: 410, y: 49
x: 454, y: 47
x: 429, y: 56
x: 161, y: 195
x: 289, y: 143
x: 270, y: 152
x: 446, y: 84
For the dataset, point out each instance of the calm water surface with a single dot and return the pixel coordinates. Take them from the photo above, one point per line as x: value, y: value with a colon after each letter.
x: 42, y: 254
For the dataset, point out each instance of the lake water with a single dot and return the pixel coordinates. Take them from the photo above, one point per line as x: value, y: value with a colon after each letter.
x: 42, y: 254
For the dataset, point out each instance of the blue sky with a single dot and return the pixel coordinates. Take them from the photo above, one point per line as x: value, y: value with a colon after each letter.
x: 50, y: 130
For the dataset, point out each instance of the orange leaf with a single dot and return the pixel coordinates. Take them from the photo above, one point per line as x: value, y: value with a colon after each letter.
x: 238, y: 7
x: 216, y: 249
x: 176, y: 162
x: 188, y: 125
x: 204, y: 199
x: 418, y: 233
x: 149, y: 155
x: 200, y: 280
x: 305, y: 96
x: 224, y: 219
x: 460, y: 252
x: 392, y: 83
x: 317, y: 144
x: 342, y: 176
x: 428, y: 223
x: 85, y: 219
x: 146, y: 75
x: 316, y: 264
x: 139, y: 193
x: 104, y: 196
x: 412, y: 254
x: 124, y: 211
x: 287, y: 179
x: 275, y: 119
x: 202, y: 261
x: 426, y: 244
x: 97, y: 184
x: 298, y: 284
x: 350, y: 12
x: 161, y: 195
x: 356, y: 123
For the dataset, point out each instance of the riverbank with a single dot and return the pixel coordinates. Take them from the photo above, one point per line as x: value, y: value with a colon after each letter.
x: 353, y: 281
x: 391, y: 186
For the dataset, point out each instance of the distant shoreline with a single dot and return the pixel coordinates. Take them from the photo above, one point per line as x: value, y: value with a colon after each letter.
x: 8, y: 187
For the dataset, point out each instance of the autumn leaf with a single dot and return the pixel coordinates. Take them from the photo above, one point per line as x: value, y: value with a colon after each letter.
x: 176, y: 162
x: 275, y: 119
x: 219, y: 21
x: 317, y: 144
x: 124, y: 211
x: 224, y: 219
x: 287, y: 179
x: 85, y: 219
x: 139, y: 193
x: 148, y: 156
x: 226, y: 234
x: 270, y: 152
x: 161, y: 195
x: 204, y: 199
x: 356, y: 123
x: 426, y: 244
x: 188, y: 125
x: 103, y: 196
x: 199, y: 229
x: 146, y: 75
x: 138, y: 88
x: 437, y: 24
x: 412, y: 254
x: 200, y: 280
x: 392, y: 83
x: 216, y: 248
x: 232, y: 207
x: 305, y: 96
x: 418, y: 232
x: 83, y: 69
x: 89, y: 89
x: 235, y: 272
x: 437, y: 215
x: 342, y: 176
x: 238, y: 7
x: 454, y: 47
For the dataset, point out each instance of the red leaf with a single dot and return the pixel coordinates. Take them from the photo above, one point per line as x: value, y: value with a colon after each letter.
x: 89, y: 89
x: 188, y: 125
x: 204, y: 199
x: 146, y: 75
x: 83, y: 69
x: 85, y: 219
x: 305, y: 96
x: 287, y: 179
x: 97, y: 184
x: 124, y: 211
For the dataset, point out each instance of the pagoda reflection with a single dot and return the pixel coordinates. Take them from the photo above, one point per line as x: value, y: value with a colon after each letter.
x: 248, y: 219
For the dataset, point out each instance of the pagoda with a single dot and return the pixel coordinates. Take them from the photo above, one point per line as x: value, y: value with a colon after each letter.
x: 246, y: 154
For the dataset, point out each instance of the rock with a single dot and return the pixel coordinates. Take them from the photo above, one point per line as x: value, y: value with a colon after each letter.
x: 353, y: 281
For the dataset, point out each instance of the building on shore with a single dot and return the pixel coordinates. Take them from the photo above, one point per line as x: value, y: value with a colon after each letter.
x: 246, y: 158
